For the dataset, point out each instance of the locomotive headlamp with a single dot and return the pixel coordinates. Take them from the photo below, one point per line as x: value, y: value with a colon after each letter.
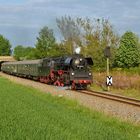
x: 76, y: 62
x: 72, y: 73
x: 89, y: 74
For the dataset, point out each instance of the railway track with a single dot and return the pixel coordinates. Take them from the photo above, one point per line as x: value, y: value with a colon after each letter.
x: 114, y: 105
x: 109, y: 96
x: 114, y: 97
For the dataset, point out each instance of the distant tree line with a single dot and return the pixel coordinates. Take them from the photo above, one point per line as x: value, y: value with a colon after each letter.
x: 92, y: 36
x: 5, y: 46
x: 23, y: 53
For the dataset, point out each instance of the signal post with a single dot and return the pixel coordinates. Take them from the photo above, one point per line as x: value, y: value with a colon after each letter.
x: 108, y: 77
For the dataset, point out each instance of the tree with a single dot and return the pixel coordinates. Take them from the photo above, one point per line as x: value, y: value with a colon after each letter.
x: 99, y: 34
x: 45, y: 43
x: 5, y: 46
x: 128, y: 53
x: 23, y: 53
x: 91, y: 35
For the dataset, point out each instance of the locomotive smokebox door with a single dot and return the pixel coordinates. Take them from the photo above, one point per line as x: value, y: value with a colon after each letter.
x: 107, y: 52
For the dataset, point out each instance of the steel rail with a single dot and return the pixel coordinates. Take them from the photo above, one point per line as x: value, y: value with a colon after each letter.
x: 111, y: 96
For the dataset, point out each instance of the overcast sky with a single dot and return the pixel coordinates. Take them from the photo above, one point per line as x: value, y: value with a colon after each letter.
x: 21, y: 20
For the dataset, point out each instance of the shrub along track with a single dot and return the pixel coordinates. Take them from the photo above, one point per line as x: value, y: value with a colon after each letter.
x: 120, y: 109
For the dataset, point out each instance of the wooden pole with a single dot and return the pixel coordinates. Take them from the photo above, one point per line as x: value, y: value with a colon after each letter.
x: 107, y: 72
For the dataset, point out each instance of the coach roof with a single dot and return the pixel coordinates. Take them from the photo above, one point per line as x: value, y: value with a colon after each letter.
x: 25, y: 62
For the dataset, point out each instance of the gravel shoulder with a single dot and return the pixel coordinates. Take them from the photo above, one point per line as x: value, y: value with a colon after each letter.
x: 111, y: 108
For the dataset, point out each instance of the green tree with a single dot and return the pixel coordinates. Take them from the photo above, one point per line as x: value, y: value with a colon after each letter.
x: 128, y: 53
x: 91, y: 35
x: 23, y: 53
x: 5, y: 46
x: 45, y: 43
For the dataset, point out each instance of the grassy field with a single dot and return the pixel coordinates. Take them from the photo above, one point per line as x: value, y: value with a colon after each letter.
x: 28, y: 114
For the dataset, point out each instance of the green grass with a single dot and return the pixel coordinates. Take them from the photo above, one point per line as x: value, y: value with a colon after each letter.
x: 129, y: 71
x: 132, y: 93
x: 28, y: 114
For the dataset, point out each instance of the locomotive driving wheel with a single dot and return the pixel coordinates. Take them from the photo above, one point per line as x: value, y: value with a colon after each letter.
x: 73, y: 86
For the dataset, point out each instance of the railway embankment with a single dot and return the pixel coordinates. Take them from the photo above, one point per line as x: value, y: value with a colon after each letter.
x: 110, y: 107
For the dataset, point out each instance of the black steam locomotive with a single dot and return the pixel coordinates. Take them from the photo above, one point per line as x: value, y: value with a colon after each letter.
x: 61, y: 71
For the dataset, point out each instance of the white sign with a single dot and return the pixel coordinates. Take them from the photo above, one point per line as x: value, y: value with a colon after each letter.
x: 109, y: 81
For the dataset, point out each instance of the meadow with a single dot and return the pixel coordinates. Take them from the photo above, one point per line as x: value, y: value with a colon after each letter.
x: 28, y: 114
x: 125, y: 82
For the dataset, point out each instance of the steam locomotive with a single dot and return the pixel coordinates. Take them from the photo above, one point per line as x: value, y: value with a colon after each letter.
x: 59, y: 71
